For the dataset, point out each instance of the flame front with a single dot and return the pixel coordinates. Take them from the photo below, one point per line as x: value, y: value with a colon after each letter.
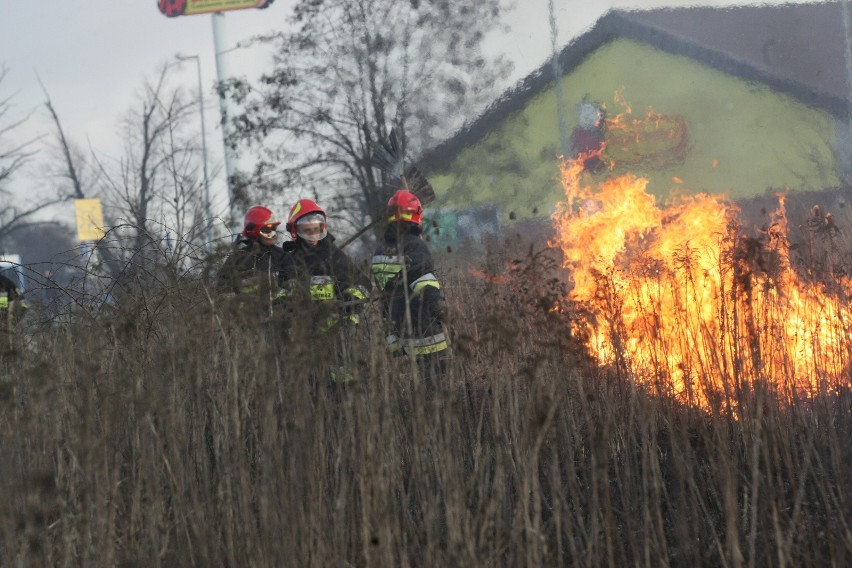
x: 682, y: 301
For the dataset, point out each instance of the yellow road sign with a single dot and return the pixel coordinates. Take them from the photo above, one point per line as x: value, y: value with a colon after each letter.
x: 90, y: 219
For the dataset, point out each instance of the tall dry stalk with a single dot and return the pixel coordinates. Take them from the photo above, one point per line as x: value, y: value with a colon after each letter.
x: 172, y: 429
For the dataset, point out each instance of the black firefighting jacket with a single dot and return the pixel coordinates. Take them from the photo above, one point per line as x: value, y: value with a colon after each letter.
x: 403, y: 270
x: 320, y: 273
x: 252, y: 268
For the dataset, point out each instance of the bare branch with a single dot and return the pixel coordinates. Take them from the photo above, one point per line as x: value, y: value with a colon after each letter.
x: 346, y: 76
x: 70, y: 171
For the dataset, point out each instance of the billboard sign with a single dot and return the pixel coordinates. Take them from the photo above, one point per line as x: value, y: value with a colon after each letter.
x: 90, y: 219
x: 173, y: 8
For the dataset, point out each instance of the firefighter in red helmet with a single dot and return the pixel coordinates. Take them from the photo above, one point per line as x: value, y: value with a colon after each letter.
x: 320, y: 280
x: 404, y: 272
x: 314, y: 264
x: 253, y: 267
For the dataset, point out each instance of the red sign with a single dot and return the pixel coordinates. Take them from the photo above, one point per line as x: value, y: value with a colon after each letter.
x: 172, y: 8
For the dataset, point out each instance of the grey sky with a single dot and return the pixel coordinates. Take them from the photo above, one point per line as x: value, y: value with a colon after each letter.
x: 93, y: 56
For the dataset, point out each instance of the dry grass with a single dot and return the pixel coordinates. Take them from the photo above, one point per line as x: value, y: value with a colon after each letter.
x: 168, y: 430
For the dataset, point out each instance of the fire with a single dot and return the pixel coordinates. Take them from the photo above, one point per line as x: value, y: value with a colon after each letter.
x: 684, y: 302
x: 653, y: 139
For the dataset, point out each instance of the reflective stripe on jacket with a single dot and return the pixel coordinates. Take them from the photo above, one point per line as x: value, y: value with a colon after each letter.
x: 403, y: 270
x: 386, y: 268
x: 418, y: 346
x: 322, y: 288
x: 426, y: 280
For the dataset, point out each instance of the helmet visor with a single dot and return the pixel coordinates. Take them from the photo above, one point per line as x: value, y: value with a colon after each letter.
x: 312, y: 227
x: 268, y: 230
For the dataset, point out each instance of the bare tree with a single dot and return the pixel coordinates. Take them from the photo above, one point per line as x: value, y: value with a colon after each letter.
x: 72, y: 159
x: 351, y: 71
x: 154, y: 190
x: 14, y: 155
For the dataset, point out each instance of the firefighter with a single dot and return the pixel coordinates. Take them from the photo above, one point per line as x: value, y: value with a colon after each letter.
x: 11, y: 304
x: 321, y: 282
x: 403, y: 270
x: 252, y: 268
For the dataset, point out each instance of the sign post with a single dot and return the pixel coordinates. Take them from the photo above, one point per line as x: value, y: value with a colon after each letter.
x: 222, y: 74
x: 174, y: 8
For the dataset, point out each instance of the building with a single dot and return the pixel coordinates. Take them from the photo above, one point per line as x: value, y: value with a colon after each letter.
x: 743, y: 101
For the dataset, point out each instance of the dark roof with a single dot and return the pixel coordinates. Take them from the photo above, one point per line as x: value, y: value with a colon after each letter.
x: 798, y: 49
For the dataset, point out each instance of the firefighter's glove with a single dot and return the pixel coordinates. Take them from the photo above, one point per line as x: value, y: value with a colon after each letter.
x: 354, y: 299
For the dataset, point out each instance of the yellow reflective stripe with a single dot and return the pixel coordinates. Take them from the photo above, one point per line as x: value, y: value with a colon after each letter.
x: 356, y: 292
x: 401, y: 217
x: 329, y: 323
x: 341, y: 376
x: 425, y: 345
x: 427, y: 349
x: 421, y: 285
x: 384, y: 272
x: 249, y: 289
x: 322, y: 288
x: 390, y: 268
x: 334, y: 319
x: 425, y: 280
x: 4, y: 300
x: 420, y: 341
x: 322, y: 292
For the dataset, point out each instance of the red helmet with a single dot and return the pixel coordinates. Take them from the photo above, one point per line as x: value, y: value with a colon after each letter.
x: 302, y: 209
x: 404, y: 206
x: 258, y: 218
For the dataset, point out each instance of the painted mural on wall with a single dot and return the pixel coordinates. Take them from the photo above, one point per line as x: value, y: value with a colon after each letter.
x: 655, y: 140
x: 729, y: 136
x: 451, y: 227
x: 588, y: 138
x: 603, y: 141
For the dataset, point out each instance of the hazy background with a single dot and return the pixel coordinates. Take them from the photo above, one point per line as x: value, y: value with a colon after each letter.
x: 93, y: 57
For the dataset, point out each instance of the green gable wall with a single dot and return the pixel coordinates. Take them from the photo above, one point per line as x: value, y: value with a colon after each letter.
x: 759, y: 139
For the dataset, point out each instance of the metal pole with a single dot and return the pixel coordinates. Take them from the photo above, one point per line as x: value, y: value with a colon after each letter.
x: 847, y: 56
x: 209, y: 217
x: 557, y: 79
x: 209, y: 220
x: 222, y: 75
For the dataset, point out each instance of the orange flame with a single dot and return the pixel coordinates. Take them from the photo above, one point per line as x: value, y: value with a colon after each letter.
x: 681, y: 300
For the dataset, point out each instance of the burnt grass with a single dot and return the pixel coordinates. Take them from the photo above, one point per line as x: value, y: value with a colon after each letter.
x: 175, y: 428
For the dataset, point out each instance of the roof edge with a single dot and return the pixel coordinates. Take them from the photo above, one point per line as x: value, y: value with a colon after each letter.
x: 614, y: 24
x: 516, y: 97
